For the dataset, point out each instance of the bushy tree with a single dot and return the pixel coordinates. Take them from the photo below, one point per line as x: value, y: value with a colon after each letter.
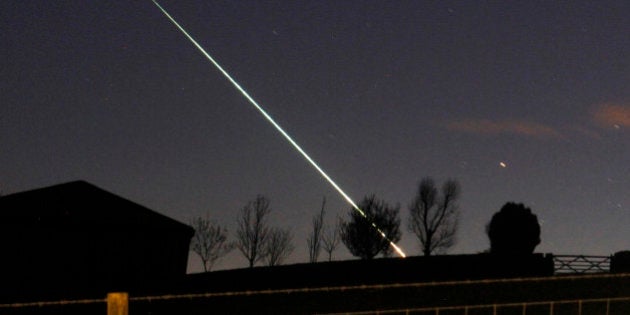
x: 361, y: 233
x: 433, y: 217
x: 513, y: 230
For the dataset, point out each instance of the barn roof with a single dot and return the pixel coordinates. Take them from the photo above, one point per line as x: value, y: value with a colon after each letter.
x: 82, y: 203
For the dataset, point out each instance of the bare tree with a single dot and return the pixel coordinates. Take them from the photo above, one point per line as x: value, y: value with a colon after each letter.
x: 433, y: 218
x: 252, y: 230
x: 360, y: 234
x: 314, y: 240
x: 279, y: 246
x: 209, y: 242
x: 330, y: 239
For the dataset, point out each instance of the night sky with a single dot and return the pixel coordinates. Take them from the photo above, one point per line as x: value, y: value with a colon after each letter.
x: 525, y: 101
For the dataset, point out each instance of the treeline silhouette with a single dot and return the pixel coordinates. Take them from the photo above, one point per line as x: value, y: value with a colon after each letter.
x: 367, y: 232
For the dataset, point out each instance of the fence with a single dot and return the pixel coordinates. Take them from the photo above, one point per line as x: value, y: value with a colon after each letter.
x: 590, y: 299
x: 580, y: 264
x: 606, y: 306
x: 118, y: 304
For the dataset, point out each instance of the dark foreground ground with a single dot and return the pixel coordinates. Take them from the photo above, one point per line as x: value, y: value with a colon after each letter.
x: 383, y: 287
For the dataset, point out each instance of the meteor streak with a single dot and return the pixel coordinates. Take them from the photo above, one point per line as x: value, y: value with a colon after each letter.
x: 273, y: 122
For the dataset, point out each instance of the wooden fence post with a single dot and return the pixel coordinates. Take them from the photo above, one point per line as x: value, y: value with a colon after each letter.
x: 118, y: 303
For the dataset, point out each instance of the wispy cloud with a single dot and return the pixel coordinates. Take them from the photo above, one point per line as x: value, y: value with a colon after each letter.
x: 612, y: 115
x: 492, y: 127
x: 606, y: 115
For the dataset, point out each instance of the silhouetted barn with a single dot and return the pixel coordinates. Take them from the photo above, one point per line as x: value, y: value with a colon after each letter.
x: 77, y: 240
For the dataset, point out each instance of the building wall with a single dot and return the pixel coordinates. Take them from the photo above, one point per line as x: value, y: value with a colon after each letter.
x: 76, y: 240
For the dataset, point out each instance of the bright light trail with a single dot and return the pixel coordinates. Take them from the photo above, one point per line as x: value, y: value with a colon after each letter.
x: 273, y: 122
